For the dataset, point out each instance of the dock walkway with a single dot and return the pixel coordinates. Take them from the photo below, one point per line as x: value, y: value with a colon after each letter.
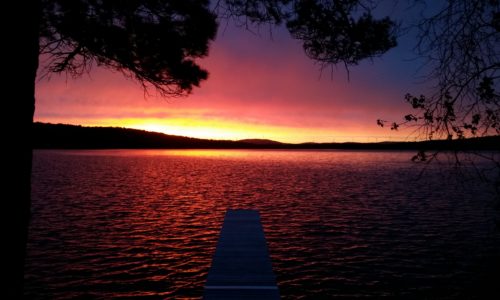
x: 241, y: 267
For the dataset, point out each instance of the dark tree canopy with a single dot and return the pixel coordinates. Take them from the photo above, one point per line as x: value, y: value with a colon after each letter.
x: 158, y: 41
x: 155, y: 41
x: 332, y: 32
x: 249, y: 12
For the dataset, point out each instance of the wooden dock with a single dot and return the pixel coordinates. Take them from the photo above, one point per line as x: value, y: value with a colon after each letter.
x: 241, y: 267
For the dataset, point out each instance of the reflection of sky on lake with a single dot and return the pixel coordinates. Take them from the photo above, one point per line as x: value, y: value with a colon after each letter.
x: 119, y: 223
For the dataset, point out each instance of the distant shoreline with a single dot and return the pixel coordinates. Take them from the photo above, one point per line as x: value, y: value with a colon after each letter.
x: 63, y: 136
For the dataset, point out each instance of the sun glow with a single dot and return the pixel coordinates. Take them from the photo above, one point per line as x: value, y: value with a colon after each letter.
x: 190, y: 128
x: 222, y: 129
x: 211, y: 129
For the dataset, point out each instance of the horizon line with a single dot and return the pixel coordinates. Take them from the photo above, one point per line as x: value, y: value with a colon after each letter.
x: 383, y: 139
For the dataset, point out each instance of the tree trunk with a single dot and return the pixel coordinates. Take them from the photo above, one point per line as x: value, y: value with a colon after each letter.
x: 22, y: 45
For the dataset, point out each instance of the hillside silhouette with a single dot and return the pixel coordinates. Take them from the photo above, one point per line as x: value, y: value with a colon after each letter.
x: 62, y: 136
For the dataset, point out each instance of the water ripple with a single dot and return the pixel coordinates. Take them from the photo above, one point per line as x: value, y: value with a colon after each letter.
x: 144, y: 224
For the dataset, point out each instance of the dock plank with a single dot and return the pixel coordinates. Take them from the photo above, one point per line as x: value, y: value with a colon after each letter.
x: 241, y: 267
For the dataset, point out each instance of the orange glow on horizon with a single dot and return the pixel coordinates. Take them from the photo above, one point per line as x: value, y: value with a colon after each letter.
x: 230, y: 130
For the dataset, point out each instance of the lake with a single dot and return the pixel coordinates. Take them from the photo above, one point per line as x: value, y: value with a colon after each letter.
x: 116, y: 224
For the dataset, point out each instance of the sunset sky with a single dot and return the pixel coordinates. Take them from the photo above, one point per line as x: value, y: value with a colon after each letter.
x: 260, y: 86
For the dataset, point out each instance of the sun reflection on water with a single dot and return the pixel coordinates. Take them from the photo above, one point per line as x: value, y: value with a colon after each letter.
x: 339, y: 224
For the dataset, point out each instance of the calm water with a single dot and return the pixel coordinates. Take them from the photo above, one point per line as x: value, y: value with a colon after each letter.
x: 144, y: 223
